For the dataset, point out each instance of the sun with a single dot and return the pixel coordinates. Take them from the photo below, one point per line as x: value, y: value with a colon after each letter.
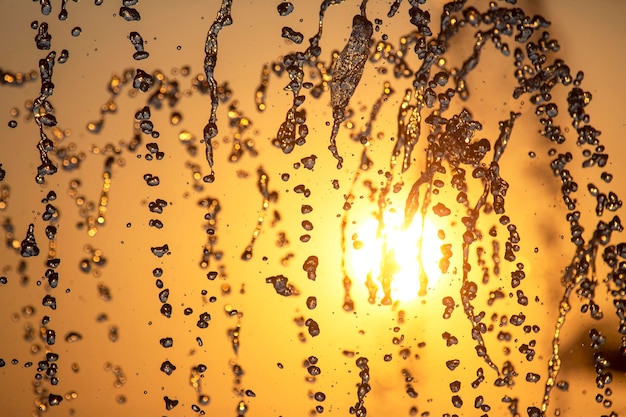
x: 393, y: 257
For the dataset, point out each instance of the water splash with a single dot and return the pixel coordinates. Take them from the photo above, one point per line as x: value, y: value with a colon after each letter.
x: 347, y: 72
x: 474, y: 168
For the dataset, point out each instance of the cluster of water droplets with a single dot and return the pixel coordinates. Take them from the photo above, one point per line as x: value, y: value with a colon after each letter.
x: 453, y: 160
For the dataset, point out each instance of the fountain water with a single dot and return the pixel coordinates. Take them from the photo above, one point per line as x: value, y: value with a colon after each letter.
x: 183, y: 239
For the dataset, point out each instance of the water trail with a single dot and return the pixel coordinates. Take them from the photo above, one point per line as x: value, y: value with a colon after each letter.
x: 261, y: 92
x: 94, y: 222
x: 209, y: 251
x: 347, y: 73
x: 409, y: 131
x: 222, y: 19
x: 233, y: 336
x: 295, y: 120
x: 554, y: 363
x: 363, y: 388
x: 267, y: 196
x: 43, y: 113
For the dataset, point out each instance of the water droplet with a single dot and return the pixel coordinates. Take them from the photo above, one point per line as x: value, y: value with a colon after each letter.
x: 129, y: 14
x: 282, y: 286
x: 54, y: 400
x: 142, y: 80
x: 167, y: 342
x: 347, y: 73
x: 43, y: 39
x: 285, y: 8
x: 29, y: 245
x: 73, y: 337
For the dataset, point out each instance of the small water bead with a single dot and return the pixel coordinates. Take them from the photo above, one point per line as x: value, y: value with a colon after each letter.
x: 532, y: 377
x: 151, y: 180
x: 76, y: 31
x: 12, y: 123
x: 314, y: 370
x: 166, y: 310
x: 168, y: 368
x: 309, y: 161
x: 114, y: 334
x: 453, y: 364
x: 457, y: 401
x: 175, y: 119
x: 49, y: 301
x: 155, y: 223
x: 129, y: 14
x: 441, y: 210
x: 313, y: 327
x: 167, y: 342
x: 160, y: 251
x: 285, y: 8
x: 54, y: 400
x: 455, y: 386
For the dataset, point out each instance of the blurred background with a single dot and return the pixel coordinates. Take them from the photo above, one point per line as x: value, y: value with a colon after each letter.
x: 119, y: 348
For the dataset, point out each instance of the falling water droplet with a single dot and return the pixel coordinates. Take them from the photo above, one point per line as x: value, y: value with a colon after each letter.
x: 284, y: 8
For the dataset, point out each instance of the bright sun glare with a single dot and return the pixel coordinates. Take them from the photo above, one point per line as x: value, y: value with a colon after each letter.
x: 396, y: 252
